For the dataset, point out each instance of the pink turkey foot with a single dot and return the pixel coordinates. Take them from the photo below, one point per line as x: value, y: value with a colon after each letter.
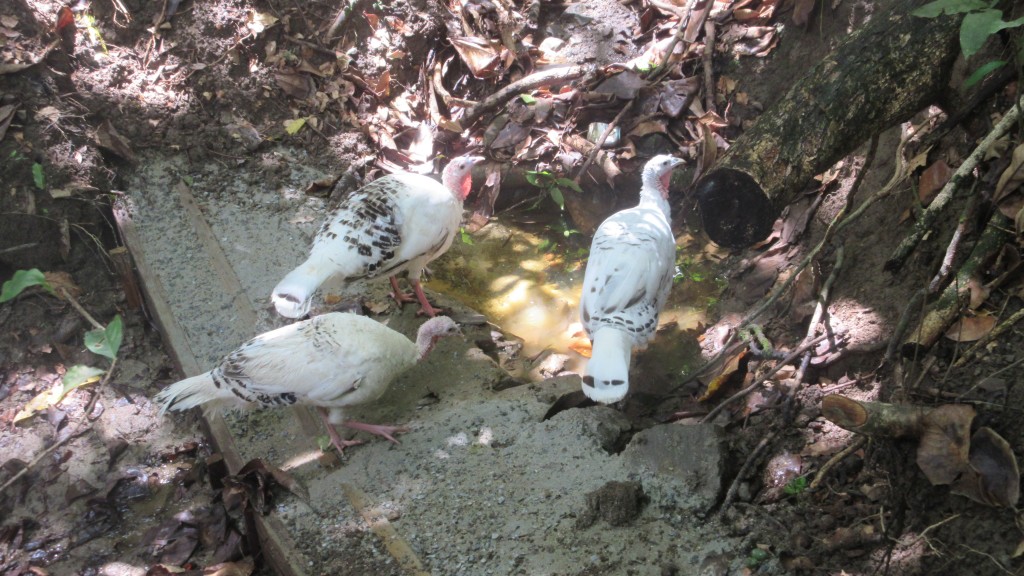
x: 425, y: 307
x: 398, y: 295
x: 385, y: 431
x: 336, y: 438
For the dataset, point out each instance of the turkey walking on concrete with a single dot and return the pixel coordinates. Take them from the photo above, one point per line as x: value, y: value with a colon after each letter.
x: 329, y: 361
x: 397, y: 223
x: 629, y: 273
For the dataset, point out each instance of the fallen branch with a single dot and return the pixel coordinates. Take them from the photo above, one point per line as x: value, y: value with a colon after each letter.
x: 945, y: 309
x: 554, y: 76
x: 789, y: 358
x: 927, y: 219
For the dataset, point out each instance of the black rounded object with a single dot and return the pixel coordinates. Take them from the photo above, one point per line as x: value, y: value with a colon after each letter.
x: 734, y: 209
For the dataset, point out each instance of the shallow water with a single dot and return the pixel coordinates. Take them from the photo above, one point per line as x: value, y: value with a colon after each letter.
x: 527, y: 279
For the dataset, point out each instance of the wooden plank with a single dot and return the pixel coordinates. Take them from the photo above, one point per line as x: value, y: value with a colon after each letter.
x: 278, y: 548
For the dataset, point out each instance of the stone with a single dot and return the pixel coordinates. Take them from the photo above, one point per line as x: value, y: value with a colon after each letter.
x: 688, y: 463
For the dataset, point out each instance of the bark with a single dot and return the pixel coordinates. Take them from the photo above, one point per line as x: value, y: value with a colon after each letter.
x: 879, y: 76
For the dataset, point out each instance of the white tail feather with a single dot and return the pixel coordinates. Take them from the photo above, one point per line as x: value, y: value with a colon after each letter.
x: 293, y: 294
x: 192, y: 392
x: 607, y: 373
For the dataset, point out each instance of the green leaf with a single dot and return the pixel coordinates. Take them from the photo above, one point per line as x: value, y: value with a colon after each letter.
x: 978, y: 26
x: 106, y: 342
x: 933, y: 9
x: 527, y: 99
x: 37, y: 176
x: 795, y: 486
x: 23, y: 279
x: 983, y: 71
x: 293, y: 126
x: 79, y: 375
x: 533, y: 177
x: 569, y: 184
x: 465, y: 237
x: 556, y: 195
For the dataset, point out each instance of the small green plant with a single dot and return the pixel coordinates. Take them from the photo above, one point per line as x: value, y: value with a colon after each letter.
x: 796, y: 486
x: 553, y: 184
x: 89, y: 22
x: 324, y: 443
x: 104, y: 340
x: 465, y: 236
x: 982, y: 19
x: 686, y: 269
x: 38, y: 176
x: 757, y: 556
x: 22, y: 280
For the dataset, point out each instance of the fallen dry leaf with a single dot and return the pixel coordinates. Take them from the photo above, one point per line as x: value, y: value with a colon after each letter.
x: 993, y: 477
x: 294, y: 84
x: 1012, y: 177
x: 731, y: 367
x: 109, y: 139
x: 932, y: 180
x: 942, y: 453
x: 62, y: 280
x: 978, y: 291
x: 971, y: 328
x: 481, y: 55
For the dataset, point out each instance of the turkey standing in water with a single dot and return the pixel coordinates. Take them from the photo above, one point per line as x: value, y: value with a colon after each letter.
x: 629, y: 273
x: 397, y: 223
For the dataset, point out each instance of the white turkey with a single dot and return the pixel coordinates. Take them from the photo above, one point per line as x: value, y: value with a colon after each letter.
x: 329, y: 361
x: 397, y: 223
x: 629, y: 273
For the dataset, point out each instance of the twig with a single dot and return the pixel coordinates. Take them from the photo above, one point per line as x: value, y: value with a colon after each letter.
x: 836, y: 459
x: 74, y: 303
x: 708, y: 60
x: 916, y: 301
x: 600, y: 141
x: 924, y: 223
x: 535, y: 80
x: 789, y: 358
x: 966, y: 216
x: 730, y: 495
x: 819, y: 311
x: 70, y: 435
x: 677, y: 36
x: 18, y: 247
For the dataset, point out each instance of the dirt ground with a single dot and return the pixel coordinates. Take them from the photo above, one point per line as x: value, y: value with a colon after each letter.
x: 522, y: 479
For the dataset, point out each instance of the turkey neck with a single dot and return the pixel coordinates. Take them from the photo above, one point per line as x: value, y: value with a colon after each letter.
x: 424, y: 344
x: 654, y: 194
x: 458, y: 185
